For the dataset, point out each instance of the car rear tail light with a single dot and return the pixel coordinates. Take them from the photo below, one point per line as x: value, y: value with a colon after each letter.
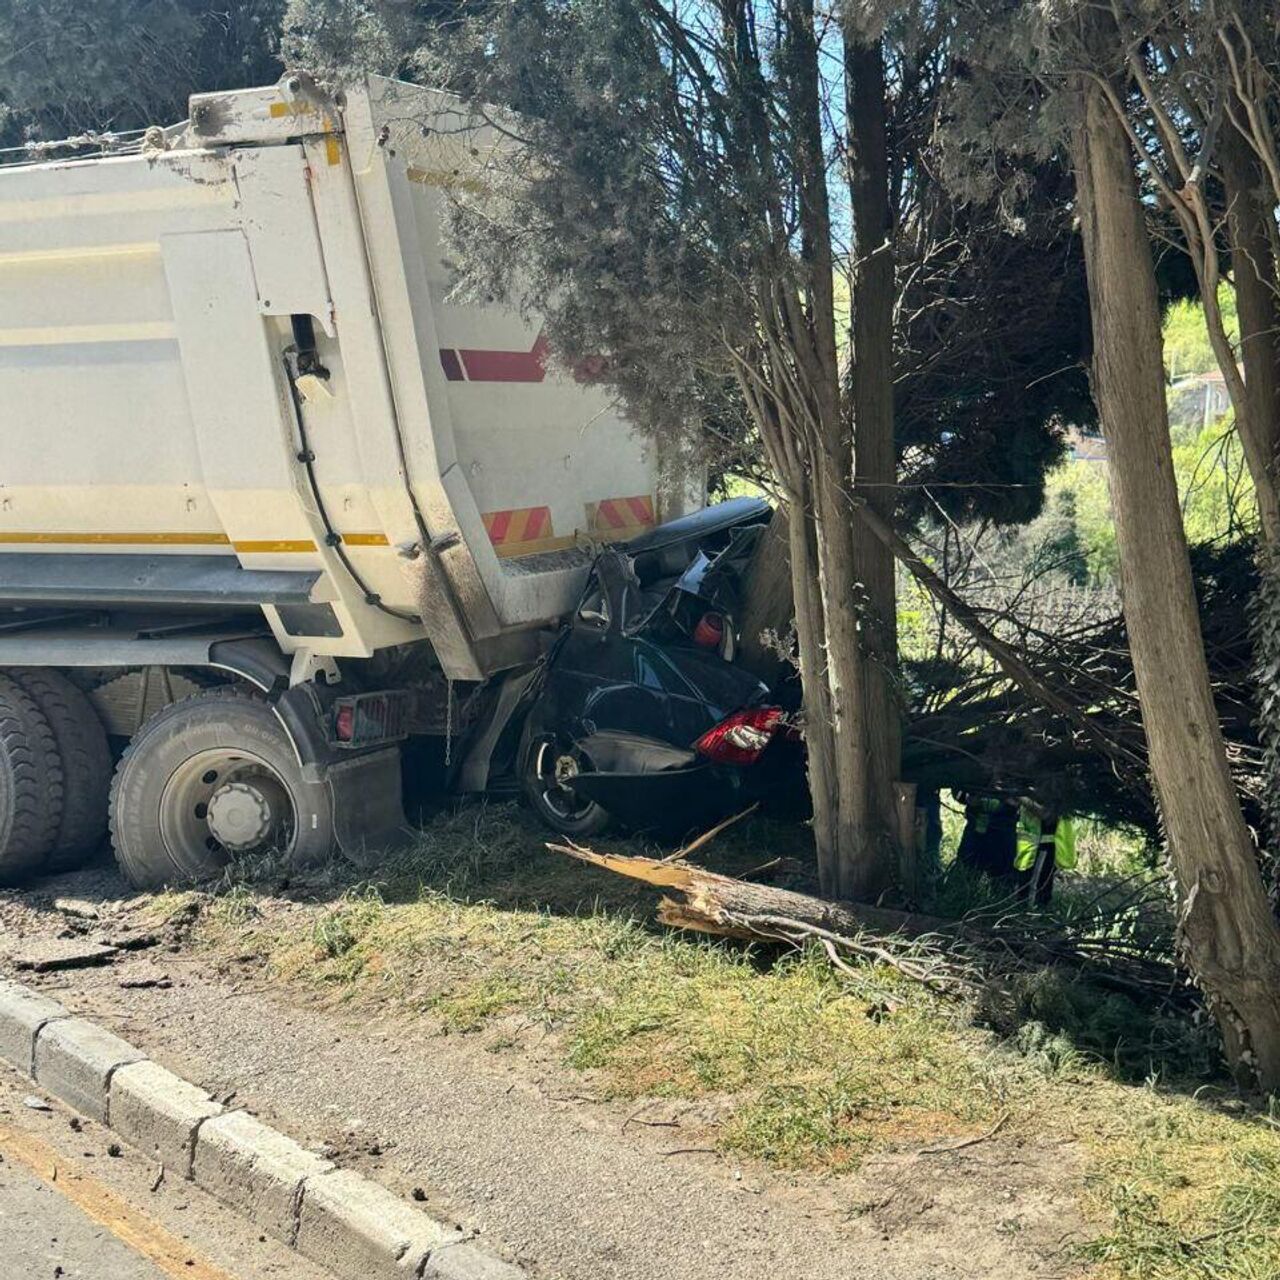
x: 742, y: 737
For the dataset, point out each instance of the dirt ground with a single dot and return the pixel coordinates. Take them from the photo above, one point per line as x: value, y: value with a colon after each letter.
x: 495, y: 1132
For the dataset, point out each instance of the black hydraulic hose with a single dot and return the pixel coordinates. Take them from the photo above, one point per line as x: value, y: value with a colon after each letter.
x: 332, y: 537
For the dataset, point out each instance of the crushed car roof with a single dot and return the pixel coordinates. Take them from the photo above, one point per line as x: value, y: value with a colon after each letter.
x: 723, y: 515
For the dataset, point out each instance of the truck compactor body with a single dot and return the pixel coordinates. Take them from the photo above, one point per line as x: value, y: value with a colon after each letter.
x: 269, y: 496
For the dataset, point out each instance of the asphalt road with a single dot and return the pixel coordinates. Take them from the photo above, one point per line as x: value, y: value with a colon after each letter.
x: 46, y: 1237
x: 75, y: 1204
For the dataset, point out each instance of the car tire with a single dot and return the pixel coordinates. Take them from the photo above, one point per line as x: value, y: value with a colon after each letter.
x: 163, y: 827
x: 30, y: 784
x: 584, y: 818
x: 86, y: 764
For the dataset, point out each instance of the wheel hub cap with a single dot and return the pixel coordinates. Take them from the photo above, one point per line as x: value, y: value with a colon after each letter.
x: 246, y: 814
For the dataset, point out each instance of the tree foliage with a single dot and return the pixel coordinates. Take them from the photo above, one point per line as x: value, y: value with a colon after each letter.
x: 1187, y: 349
x: 68, y: 67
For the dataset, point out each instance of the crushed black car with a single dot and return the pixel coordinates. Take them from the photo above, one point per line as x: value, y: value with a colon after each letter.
x: 638, y: 714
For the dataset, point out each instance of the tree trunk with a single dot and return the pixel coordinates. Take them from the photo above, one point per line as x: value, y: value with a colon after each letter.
x: 864, y: 860
x: 819, y: 726
x: 769, y: 604
x: 1228, y: 935
x: 875, y: 458
x: 1253, y: 272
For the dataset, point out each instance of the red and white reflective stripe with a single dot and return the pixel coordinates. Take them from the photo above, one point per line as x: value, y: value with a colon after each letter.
x: 614, y: 518
x: 478, y: 364
x: 467, y: 364
x: 522, y: 531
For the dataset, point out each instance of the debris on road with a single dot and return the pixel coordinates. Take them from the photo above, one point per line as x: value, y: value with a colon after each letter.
x: 77, y: 908
x: 135, y: 980
x: 49, y: 954
x: 123, y: 940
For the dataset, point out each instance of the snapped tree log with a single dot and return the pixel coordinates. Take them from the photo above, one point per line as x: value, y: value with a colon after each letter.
x: 950, y: 957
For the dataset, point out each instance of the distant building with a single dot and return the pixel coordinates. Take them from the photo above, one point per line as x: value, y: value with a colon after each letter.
x: 1086, y: 446
x: 1198, y: 401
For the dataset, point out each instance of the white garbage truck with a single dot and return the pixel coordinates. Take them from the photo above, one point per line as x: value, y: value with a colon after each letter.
x: 269, y: 496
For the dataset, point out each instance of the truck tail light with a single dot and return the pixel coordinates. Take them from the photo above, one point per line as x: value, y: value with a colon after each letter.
x: 367, y: 718
x: 344, y: 722
x: 742, y: 737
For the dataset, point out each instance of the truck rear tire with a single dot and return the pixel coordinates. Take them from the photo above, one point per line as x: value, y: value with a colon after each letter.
x: 86, y: 763
x: 209, y: 778
x: 30, y: 784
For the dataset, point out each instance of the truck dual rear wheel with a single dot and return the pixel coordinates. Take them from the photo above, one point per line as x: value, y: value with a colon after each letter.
x: 85, y: 756
x: 210, y: 778
x: 31, y: 786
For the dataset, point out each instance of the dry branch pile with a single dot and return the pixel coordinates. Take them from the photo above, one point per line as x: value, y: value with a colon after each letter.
x: 973, y: 727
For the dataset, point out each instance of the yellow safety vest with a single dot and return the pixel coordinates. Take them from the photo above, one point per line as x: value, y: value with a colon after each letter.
x: 985, y: 806
x: 1030, y: 837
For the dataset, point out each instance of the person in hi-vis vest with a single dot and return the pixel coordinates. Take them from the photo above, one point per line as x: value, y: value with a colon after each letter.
x: 988, y: 843
x: 1046, y: 841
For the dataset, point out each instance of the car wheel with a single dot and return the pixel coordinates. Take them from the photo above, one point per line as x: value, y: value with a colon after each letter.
x: 207, y: 779
x: 86, y: 763
x: 549, y: 767
x: 30, y: 783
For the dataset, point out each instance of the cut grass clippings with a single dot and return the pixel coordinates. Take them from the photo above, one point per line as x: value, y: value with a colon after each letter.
x: 480, y: 928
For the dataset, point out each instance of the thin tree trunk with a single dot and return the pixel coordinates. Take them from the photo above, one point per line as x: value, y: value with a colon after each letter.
x: 819, y: 731
x: 875, y: 459
x: 1253, y: 270
x: 1228, y: 935
x: 864, y: 864
x: 862, y: 867
x: 769, y: 603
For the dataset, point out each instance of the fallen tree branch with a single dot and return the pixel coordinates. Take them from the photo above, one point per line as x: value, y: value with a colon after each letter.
x: 954, y: 958
x: 1005, y: 656
x: 967, y: 1142
x: 708, y: 836
x: 722, y: 905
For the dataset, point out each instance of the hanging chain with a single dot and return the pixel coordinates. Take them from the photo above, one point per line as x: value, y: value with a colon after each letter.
x: 448, y: 722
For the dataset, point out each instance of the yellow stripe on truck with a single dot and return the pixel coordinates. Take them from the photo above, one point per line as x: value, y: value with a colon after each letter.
x: 300, y: 108
x: 59, y: 538
x: 274, y: 546
x: 250, y: 546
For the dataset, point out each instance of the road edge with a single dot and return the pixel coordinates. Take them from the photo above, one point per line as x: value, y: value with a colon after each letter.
x: 336, y: 1217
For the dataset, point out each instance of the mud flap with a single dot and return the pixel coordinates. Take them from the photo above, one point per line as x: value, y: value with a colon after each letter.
x: 368, y: 813
x: 473, y: 776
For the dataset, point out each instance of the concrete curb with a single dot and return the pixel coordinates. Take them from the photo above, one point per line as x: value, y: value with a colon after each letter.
x: 356, y: 1228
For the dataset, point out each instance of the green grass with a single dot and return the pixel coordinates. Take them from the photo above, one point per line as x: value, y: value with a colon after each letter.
x: 482, y: 930
x: 1188, y: 1192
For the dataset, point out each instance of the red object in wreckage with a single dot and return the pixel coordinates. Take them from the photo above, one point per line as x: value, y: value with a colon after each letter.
x: 709, y: 632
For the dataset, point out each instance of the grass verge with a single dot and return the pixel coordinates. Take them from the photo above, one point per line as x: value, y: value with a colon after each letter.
x: 481, y: 928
